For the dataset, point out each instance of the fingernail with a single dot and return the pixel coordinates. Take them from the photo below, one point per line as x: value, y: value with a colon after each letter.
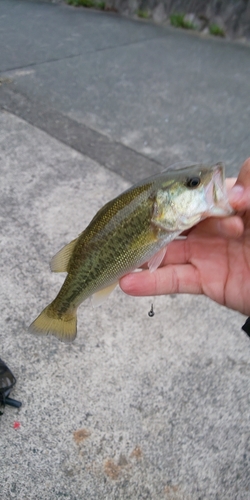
x: 235, y: 194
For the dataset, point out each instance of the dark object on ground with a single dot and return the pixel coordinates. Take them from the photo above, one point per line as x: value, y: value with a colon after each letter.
x: 151, y: 312
x: 246, y: 327
x: 7, y: 382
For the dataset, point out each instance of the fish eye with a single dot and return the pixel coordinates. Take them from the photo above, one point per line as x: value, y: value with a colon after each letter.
x: 193, y: 182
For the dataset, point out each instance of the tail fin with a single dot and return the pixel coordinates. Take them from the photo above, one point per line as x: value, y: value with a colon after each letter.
x: 64, y: 328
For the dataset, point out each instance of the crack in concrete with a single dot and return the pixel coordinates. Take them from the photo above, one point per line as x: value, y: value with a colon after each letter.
x: 72, y: 56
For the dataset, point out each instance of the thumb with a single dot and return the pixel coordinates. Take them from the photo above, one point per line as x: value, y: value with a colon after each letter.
x: 239, y: 196
x: 244, y: 175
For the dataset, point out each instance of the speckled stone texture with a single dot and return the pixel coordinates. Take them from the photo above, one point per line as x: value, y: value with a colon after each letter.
x: 137, y: 407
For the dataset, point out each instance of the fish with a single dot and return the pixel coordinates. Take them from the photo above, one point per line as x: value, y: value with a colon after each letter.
x: 127, y: 232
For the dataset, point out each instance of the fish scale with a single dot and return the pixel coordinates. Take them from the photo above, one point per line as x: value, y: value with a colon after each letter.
x: 121, y: 249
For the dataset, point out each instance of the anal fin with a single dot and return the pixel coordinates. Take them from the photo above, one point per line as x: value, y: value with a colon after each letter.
x: 99, y: 297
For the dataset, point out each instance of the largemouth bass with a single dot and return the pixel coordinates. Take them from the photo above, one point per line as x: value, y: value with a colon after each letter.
x: 127, y: 232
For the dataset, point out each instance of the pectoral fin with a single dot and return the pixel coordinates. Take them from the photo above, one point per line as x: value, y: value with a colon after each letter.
x: 59, y: 263
x: 156, y: 260
x: 99, y: 297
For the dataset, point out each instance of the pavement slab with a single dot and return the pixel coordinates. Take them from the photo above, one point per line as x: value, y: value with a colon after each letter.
x: 136, y: 407
x: 166, y: 94
x: 42, y: 32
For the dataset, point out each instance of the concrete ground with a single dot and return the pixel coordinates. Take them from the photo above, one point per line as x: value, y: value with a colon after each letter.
x: 137, y: 407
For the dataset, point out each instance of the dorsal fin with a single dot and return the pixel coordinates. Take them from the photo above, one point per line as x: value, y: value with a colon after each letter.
x: 59, y: 263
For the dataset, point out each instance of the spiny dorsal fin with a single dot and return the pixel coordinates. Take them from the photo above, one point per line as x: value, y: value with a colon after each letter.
x: 59, y: 263
x: 99, y: 297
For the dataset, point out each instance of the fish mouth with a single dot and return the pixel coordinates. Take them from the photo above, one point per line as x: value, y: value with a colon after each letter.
x: 216, y: 194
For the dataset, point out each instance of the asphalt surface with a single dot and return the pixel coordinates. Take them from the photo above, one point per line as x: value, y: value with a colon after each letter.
x: 137, y: 407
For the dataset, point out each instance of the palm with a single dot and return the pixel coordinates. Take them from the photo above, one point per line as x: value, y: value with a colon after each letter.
x: 221, y: 266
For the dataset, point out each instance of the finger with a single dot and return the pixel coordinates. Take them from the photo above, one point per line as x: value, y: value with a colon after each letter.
x: 179, y: 251
x: 239, y: 198
x: 239, y: 195
x: 230, y: 182
x: 226, y: 227
x: 231, y: 227
x: 165, y: 280
x: 244, y: 175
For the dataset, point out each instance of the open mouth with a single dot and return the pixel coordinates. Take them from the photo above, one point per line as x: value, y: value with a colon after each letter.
x: 219, y: 190
x: 216, y: 194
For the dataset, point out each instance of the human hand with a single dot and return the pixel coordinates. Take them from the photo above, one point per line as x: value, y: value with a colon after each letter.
x: 213, y: 260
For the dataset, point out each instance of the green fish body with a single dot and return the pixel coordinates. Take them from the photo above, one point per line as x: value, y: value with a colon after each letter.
x: 127, y: 232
